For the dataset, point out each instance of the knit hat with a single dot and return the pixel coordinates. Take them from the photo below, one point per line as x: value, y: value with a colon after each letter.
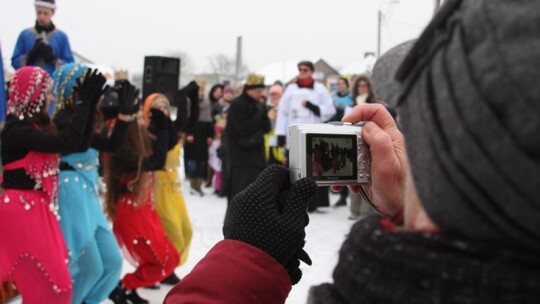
x: 28, y: 91
x: 65, y: 80
x: 51, y: 4
x: 229, y: 90
x: 469, y: 104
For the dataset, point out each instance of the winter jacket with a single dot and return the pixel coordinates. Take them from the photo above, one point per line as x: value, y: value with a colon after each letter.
x: 233, y: 272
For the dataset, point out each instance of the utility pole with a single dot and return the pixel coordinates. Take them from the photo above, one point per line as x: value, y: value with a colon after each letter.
x: 437, y: 5
x: 238, y: 60
x: 379, y: 25
x: 380, y: 20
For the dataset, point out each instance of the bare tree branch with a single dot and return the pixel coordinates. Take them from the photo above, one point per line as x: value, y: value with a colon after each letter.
x: 187, y: 67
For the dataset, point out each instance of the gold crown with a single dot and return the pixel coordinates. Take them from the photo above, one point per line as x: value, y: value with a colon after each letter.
x: 200, y: 81
x: 255, y: 80
x: 121, y: 75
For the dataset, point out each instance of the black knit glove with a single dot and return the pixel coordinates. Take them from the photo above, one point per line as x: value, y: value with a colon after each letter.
x: 126, y: 97
x: 158, y: 119
x: 270, y: 214
x: 293, y: 265
x: 91, y: 87
x: 313, y: 108
x: 109, y: 104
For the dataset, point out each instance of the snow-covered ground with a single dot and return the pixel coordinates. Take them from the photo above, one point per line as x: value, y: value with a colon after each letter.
x: 325, y: 233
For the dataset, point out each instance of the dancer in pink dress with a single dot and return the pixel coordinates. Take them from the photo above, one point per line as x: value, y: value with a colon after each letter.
x: 33, y: 253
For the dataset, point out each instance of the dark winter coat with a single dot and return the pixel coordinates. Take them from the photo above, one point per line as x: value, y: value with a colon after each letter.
x: 377, y: 264
x: 247, y: 122
x: 198, y: 149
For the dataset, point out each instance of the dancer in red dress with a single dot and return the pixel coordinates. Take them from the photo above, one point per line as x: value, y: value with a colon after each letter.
x: 129, y: 202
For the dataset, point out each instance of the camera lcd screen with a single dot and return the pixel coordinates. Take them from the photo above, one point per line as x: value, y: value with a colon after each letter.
x: 331, y: 157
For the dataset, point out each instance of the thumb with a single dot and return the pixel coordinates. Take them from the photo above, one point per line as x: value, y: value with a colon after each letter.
x: 299, y: 195
x: 303, y: 256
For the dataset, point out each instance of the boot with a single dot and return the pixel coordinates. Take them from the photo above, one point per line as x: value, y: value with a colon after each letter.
x: 134, y: 297
x: 341, y: 202
x: 209, y: 177
x: 171, y: 280
x: 118, y: 295
x: 196, y: 186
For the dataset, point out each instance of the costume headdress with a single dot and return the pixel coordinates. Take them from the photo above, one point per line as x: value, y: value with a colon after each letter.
x: 254, y: 81
x: 28, y: 91
x: 65, y: 80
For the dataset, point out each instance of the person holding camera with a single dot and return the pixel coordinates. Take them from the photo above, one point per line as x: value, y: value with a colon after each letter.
x: 457, y: 190
x: 42, y: 45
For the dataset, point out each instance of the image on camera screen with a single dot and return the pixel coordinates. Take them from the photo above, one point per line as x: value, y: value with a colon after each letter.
x: 331, y: 157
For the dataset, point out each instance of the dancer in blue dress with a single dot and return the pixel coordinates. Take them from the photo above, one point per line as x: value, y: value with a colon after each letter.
x: 95, y: 261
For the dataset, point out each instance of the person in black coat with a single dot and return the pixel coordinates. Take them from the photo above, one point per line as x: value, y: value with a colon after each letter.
x: 247, y: 122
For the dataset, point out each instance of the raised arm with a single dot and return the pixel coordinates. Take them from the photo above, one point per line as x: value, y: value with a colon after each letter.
x: 67, y: 140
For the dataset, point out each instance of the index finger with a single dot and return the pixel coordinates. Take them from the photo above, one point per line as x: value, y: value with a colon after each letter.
x: 376, y: 113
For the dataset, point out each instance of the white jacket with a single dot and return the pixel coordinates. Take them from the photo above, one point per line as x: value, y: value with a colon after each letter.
x: 291, y: 110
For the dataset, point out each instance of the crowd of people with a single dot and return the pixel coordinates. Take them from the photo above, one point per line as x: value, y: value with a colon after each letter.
x: 90, y: 174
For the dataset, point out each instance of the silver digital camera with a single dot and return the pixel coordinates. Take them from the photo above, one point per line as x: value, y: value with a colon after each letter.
x: 332, y: 154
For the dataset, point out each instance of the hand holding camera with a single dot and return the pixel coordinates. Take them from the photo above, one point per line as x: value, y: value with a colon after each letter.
x: 270, y: 214
x: 370, y: 155
x: 389, y: 162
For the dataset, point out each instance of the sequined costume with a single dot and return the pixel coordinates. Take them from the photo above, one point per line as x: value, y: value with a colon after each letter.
x: 95, y: 261
x: 140, y: 233
x: 34, y: 254
x: 168, y: 199
x: 136, y: 224
x: 171, y: 206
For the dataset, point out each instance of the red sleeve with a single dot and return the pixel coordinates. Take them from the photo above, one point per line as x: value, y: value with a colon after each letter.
x: 233, y: 272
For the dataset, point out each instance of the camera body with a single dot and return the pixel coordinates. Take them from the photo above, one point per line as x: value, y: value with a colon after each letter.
x: 332, y: 154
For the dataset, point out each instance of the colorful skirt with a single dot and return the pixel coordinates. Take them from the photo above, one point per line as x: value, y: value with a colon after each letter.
x: 144, y: 243
x: 30, y: 230
x: 171, y: 207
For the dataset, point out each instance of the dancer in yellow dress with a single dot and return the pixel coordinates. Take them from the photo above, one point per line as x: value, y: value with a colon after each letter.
x: 168, y: 199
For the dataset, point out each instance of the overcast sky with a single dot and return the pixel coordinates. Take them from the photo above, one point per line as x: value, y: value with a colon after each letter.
x: 120, y: 33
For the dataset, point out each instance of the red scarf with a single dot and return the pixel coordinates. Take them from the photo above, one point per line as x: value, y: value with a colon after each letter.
x: 305, y: 83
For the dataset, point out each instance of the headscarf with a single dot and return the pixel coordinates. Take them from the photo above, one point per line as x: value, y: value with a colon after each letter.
x: 470, y: 107
x: 148, y: 105
x: 28, y: 92
x: 65, y: 80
